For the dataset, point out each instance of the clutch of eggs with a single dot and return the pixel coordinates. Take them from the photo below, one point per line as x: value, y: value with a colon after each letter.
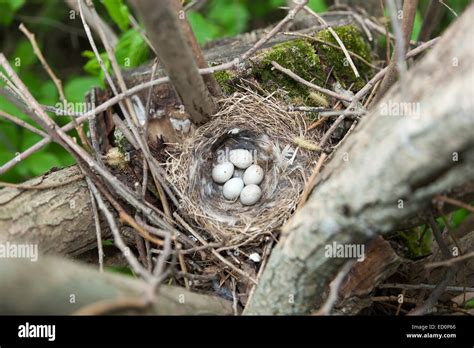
x: 240, y: 177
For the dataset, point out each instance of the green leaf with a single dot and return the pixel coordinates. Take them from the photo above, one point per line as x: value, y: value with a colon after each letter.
x: 40, y: 162
x: 118, y: 11
x: 15, y: 5
x: 469, y: 304
x: 203, y: 29
x: 317, y: 5
x: 231, y: 17
x: 459, y: 216
x: 131, y: 49
x: 49, y: 93
x: 417, y: 25
x: 23, y: 57
x: 76, y: 88
x: 8, y: 9
x: 120, y: 269
x: 92, y: 66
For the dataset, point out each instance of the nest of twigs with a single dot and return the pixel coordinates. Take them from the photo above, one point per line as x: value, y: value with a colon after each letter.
x: 263, y: 126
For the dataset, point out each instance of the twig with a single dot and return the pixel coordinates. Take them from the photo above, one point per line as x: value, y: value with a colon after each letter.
x: 454, y: 202
x: 140, y: 31
x: 289, y: 17
x: 182, y: 263
x: 334, y: 289
x: 23, y: 124
x: 451, y: 261
x: 234, y: 297
x: 392, y: 299
x: 403, y: 34
x: 37, y: 114
x: 359, y: 95
x: 111, y: 36
x: 307, y: 83
x: 100, y: 247
x: 422, y: 286
x: 449, y: 8
x: 387, y: 35
x: 132, y: 122
x: 57, y: 82
x: 430, y: 20
x: 214, y: 252
x: 312, y: 181
x: 449, y: 275
x: 427, y: 306
x: 177, y: 57
x: 439, y: 238
x: 330, y: 44
x: 336, y: 37
x: 132, y: 260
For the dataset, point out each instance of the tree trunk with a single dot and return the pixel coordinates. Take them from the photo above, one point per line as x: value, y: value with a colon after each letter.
x: 385, y: 172
x: 54, y: 286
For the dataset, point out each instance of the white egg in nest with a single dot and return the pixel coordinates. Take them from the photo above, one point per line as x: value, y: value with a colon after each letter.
x: 253, y: 175
x: 233, y: 188
x: 250, y: 194
x: 241, y: 158
x: 222, y: 172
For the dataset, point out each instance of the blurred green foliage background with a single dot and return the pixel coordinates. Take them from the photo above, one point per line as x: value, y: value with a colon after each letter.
x: 61, y: 38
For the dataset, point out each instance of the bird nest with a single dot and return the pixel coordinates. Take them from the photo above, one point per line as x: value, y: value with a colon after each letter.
x: 274, y: 135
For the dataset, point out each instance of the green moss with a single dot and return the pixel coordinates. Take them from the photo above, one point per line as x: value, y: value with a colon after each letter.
x: 300, y: 57
x: 223, y: 78
x: 333, y: 57
x: 417, y: 242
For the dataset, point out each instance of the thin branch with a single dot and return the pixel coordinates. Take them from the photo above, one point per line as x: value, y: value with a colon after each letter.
x: 100, y: 247
x: 422, y: 286
x: 431, y: 19
x: 330, y: 44
x: 454, y: 202
x: 359, y: 95
x: 451, y: 261
x: 307, y: 83
x: 57, y: 82
x: 312, y: 181
x: 214, y: 252
x: 403, y: 35
x: 336, y: 37
x: 176, y: 55
x: 132, y: 260
x: 111, y: 36
x: 334, y: 289
x: 289, y: 17
x: 23, y: 124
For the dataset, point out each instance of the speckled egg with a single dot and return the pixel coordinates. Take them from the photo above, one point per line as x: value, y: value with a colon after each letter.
x: 253, y: 175
x: 241, y: 158
x: 233, y: 188
x: 250, y: 194
x: 222, y: 172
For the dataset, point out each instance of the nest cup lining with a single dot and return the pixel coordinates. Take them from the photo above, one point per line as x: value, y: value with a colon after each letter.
x: 262, y: 126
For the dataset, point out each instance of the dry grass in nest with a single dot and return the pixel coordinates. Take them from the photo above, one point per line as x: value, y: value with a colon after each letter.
x: 265, y: 127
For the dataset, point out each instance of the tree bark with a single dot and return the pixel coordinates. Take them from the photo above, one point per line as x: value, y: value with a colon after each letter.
x: 385, y: 172
x: 54, y: 286
x: 59, y: 219
x: 165, y: 32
